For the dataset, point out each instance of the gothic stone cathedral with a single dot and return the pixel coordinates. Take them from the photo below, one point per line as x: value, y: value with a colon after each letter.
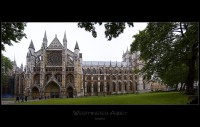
x: 55, y: 71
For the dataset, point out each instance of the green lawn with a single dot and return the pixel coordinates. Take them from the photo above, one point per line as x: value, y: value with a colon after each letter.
x: 163, y: 98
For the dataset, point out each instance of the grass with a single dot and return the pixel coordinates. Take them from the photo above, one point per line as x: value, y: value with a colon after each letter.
x: 157, y: 98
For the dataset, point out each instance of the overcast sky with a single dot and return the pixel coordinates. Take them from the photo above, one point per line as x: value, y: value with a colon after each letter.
x: 92, y: 49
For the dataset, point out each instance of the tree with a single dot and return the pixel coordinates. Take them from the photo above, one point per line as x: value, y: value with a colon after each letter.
x: 112, y: 29
x: 6, y: 65
x: 168, y: 47
x: 11, y: 31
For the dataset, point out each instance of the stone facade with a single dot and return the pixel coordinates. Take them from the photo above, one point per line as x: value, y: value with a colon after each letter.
x: 55, y: 71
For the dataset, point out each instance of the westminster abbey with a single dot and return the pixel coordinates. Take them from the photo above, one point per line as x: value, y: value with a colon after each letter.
x: 55, y: 71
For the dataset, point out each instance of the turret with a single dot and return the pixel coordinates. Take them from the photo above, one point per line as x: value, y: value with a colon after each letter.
x: 21, y: 67
x: 14, y: 65
x: 123, y: 57
x: 76, y: 49
x: 65, y: 41
x: 31, y: 47
x: 45, y: 41
x: 127, y: 56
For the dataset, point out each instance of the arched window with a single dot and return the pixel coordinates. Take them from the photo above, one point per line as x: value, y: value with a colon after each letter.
x: 125, y: 77
x: 108, y: 87
x: 101, y: 87
x: 114, y: 87
x: 101, y: 77
x: 70, y: 78
x: 95, y: 87
x: 114, y: 71
x: 94, y: 71
x: 120, y: 86
x: 107, y: 77
x: 125, y: 86
x: 88, y: 71
x: 107, y: 72
x: 120, y: 72
x: 37, y: 79
x: 95, y: 78
x: 114, y: 77
x: 131, y: 86
x: 58, y: 77
x: 88, y: 77
x: 88, y: 87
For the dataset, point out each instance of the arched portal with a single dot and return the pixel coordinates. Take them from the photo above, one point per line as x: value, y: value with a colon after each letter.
x: 52, y: 90
x: 70, y: 92
x: 35, y: 92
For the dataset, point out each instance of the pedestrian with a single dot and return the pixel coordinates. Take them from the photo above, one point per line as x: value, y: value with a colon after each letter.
x: 17, y: 99
x: 22, y: 98
x: 26, y: 98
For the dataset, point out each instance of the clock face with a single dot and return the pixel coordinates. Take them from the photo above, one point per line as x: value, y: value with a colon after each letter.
x: 54, y: 59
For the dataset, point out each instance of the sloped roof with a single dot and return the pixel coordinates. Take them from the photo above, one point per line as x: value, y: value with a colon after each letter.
x: 55, y: 44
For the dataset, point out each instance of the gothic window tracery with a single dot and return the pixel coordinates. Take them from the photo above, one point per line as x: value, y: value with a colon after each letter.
x: 70, y: 78
x: 95, y: 78
x: 88, y: 71
x: 125, y: 77
x: 108, y: 87
x: 37, y: 79
x: 88, y: 77
x: 94, y: 71
x: 120, y: 86
x: 125, y: 85
x: 107, y: 77
x: 88, y: 87
x: 58, y: 77
x: 101, y: 87
x: 114, y: 87
x: 54, y: 59
x: 120, y: 77
x: 95, y: 87
x: 131, y: 85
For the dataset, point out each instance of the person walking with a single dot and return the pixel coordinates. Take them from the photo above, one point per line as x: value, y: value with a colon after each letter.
x: 17, y: 99
x: 25, y: 98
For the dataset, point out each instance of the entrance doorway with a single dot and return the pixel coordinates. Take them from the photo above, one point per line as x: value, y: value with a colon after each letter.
x: 52, y: 90
x: 70, y: 92
x: 35, y: 93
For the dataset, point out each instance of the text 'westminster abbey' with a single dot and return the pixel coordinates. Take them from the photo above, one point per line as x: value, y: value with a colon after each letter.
x: 55, y: 71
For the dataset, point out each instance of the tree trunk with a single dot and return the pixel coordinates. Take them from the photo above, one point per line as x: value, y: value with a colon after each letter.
x: 191, y: 72
x: 182, y: 87
x: 176, y: 89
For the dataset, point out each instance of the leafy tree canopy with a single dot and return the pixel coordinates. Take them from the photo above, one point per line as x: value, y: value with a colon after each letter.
x: 6, y: 65
x: 168, y: 50
x: 11, y: 31
x: 112, y: 29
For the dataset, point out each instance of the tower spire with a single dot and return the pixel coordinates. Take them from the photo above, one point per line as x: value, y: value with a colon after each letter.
x: 76, y: 46
x: 65, y: 38
x: 31, y: 45
x: 44, y: 44
x: 45, y: 37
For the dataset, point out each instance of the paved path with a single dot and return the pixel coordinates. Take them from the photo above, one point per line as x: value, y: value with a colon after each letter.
x: 3, y: 102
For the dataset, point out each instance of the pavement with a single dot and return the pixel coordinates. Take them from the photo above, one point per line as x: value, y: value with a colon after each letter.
x: 14, y: 102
